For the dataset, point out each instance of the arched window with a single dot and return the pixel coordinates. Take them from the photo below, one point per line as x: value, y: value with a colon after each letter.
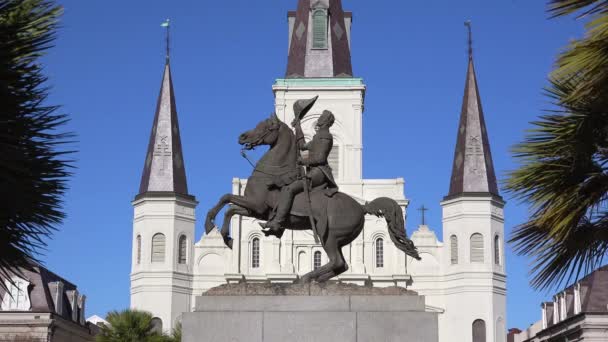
x: 317, y: 260
x: 319, y: 29
x: 453, y: 249
x: 501, y: 332
x: 183, y: 248
x: 302, y: 261
x: 158, y: 248
x: 157, y: 325
x: 479, y: 330
x: 379, y: 252
x: 476, y: 247
x: 255, y: 253
x: 138, y: 249
x: 497, y: 250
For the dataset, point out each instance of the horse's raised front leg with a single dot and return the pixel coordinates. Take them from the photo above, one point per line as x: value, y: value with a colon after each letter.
x: 247, y: 204
x: 227, y: 198
x: 232, y: 210
x: 212, y: 213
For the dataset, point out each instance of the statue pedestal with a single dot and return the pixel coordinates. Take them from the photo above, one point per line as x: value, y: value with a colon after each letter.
x: 315, y: 313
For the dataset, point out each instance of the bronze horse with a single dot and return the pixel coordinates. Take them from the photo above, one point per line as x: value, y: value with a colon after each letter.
x: 339, y: 219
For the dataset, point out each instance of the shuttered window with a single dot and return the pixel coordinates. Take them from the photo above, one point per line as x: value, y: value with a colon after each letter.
x: 319, y: 29
x: 317, y: 260
x: 333, y: 159
x: 157, y: 325
x: 183, y: 248
x: 255, y: 253
x: 379, y: 253
x: 158, y: 248
x: 138, y: 249
x: 453, y: 249
x: 479, y: 330
x: 476, y: 247
x: 497, y: 250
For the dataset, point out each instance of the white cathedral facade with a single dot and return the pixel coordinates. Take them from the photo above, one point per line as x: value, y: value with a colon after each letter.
x: 462, y: 275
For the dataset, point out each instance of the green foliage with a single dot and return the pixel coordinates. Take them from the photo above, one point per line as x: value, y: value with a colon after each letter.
x: 134, y: 326
x: 33, y: 171
x: 563, y: 159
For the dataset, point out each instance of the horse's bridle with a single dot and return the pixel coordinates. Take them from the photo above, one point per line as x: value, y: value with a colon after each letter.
x: 258, y: 141
x: 253, y: 145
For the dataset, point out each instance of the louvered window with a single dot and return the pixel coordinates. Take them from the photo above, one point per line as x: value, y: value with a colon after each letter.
x: 476, y: 247
x: 317, y: 260
x: 319, y: 29
x: 333, y: 159
x: 156, y: 325
x: 138, y: 249
x: 255, y: 253
x: 453, y: 249
x: 158, y: 248
x: 379, y: 253
x: 479, y: 330
x: 183, y: 248
x: 497, y: 250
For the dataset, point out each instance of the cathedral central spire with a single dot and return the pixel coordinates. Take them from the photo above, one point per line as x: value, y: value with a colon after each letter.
x: 473, y: 169
x: 319, y: 43
x: 164, y: 169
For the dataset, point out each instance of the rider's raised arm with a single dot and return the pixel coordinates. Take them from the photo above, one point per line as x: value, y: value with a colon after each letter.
x: 300, y: 141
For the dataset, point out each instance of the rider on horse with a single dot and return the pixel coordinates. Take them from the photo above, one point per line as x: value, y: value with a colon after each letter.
x: 318, y: 171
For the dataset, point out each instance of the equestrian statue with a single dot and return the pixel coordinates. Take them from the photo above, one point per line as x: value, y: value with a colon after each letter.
x: 290, y: 190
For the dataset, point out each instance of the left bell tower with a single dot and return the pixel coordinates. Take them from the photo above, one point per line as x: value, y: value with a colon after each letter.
x: 164, y: 218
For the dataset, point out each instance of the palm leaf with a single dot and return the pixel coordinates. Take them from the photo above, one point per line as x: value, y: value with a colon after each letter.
x: 34, y: 167
x: 563, y: 177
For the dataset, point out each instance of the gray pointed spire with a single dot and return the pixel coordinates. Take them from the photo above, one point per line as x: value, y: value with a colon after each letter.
x: 473, y: 169
x: 164, y: 169
x: 319, y: 45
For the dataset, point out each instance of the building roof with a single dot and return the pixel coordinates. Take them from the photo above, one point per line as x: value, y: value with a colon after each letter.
x: 473, y: 169
x: 593, y: 291
x: 335, y: 60
x: 164, y: 170
x: 43, y: 284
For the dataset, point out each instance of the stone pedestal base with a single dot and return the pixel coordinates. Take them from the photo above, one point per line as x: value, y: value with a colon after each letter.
x: 304, y: 313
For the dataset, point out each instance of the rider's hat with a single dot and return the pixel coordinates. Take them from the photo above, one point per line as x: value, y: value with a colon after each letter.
x: 301, y: 107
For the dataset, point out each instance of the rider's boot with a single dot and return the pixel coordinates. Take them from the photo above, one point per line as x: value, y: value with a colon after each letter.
x: 274, y: 226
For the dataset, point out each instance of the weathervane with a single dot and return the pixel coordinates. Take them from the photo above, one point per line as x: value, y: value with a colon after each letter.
x: 422, y: 210
x: 166, y: 24
x: 468, y: 25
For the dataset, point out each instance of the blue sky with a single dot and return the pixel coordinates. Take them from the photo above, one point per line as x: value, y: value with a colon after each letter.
x: 106, y: 70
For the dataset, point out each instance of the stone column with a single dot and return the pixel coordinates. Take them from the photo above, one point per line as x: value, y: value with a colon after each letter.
x: 288, y: 264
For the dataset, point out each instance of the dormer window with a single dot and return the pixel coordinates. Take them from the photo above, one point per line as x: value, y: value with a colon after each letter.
x: 319, y: 28
x: 17, y: 298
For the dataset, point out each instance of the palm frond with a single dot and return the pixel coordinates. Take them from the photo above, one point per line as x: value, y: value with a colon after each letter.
x: 561, y: 260
x: 562, y: 175
x: 34, y: 168
x: 564, y: 7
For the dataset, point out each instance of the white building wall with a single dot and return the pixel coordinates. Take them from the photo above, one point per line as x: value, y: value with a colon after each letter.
x: 482, y: 283
x: 169, y: 289
x: 163, y: 288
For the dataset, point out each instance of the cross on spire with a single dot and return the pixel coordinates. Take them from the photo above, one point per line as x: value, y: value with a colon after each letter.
x: 166, y: 25
x: 468, y: 25
x: 423, y: 209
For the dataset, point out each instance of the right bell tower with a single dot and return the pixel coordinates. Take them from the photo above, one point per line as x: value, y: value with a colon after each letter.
x: 473, y: 230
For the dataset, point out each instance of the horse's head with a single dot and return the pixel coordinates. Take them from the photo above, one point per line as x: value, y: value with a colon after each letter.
x: 265, y: 133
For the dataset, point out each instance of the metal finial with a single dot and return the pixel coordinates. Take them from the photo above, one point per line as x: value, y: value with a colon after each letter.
x: 468, y: 25
x: 167, y: 26
x: 423, y: 209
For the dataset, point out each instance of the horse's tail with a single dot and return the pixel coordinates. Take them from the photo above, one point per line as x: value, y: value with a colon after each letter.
x: 392, y: 213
